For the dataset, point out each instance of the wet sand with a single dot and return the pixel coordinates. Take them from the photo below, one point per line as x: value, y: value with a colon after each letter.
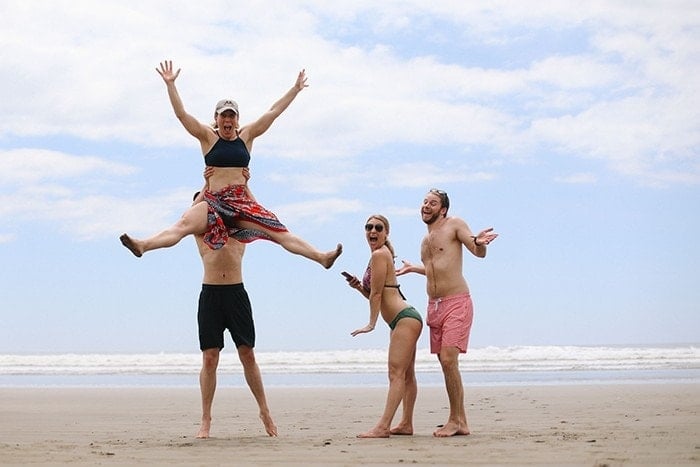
x: 591, y: 425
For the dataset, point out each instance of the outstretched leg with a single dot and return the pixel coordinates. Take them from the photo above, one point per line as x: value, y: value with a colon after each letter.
x: 193, y: 221
x: 297, y: 245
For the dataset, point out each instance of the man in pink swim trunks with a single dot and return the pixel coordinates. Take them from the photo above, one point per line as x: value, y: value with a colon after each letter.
x: 450, y: 307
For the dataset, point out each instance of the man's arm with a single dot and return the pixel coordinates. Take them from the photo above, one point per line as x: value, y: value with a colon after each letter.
x: 476, y: 244
x: 409, y: 267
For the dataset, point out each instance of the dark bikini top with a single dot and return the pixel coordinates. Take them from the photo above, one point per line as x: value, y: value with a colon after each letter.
x: 367, y: 283
x: 227, y: 153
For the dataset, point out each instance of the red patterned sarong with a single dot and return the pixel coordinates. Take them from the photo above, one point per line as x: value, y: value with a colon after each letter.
x: 230, y: 205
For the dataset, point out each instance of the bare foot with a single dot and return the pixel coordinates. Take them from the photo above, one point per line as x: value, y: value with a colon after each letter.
x: 331, y: 256
x: 270, y: 426
x: 203, y: 432
x: 131, y: 245
x: 401, y: 429
x: 451, y: 429
x: 375, y: 433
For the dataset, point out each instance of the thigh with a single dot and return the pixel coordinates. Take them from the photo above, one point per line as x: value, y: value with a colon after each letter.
x: 402, y: 343
x: 194, y: 220
x: 210, y: 321
x: 457, y: 324
x: 239, y: 318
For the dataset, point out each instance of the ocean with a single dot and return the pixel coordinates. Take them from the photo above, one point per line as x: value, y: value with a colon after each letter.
x: 517, y: 365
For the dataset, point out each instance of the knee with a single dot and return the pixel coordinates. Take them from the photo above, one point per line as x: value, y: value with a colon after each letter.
x: 449, y: 360
x: 410, y: 377
x: 396, y: 373
x: 246, y: 355
x: 210, y: 359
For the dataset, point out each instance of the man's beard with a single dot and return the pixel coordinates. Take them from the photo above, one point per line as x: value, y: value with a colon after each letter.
x: 431, y: 219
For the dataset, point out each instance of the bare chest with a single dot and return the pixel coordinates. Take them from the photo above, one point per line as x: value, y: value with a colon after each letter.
x: 434, y: 245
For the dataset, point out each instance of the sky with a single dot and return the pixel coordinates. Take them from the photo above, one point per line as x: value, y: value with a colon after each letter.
x: 572, y: 128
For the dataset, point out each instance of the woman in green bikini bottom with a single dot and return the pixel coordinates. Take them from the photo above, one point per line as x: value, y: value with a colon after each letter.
x: 379, y: 286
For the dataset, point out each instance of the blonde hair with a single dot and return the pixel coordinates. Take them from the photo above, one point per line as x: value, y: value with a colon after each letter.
x: 384, y: 221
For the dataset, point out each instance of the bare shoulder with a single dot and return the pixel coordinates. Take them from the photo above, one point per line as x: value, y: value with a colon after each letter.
x: 455, y: 222
x: 450, y: 227
x: 381, y: 254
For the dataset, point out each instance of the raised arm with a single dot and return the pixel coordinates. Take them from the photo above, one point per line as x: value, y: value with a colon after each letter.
x: 191, y: 124
x: 262, y: 124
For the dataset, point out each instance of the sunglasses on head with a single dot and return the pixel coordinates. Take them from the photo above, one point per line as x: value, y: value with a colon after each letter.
x: 377, y: 227
x: 440, y: 193
x: 443, y: 196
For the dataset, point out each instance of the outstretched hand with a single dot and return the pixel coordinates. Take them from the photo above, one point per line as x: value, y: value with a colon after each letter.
x: 368, y: 328
x: 406, y: 268
x: 301, y: 81
x: 166, y: 71
x: 486, y: 236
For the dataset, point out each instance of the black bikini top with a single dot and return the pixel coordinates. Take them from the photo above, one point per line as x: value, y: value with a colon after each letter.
x: 367, y: 280
x: 227, y: 153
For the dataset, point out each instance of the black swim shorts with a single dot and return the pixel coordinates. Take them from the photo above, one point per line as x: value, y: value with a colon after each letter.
x: 224, y: 307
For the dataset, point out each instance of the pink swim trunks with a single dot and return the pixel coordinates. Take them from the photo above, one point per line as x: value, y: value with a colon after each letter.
x: 450, y: 321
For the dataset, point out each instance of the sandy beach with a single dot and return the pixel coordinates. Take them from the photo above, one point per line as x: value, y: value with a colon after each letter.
x: 592, y: 425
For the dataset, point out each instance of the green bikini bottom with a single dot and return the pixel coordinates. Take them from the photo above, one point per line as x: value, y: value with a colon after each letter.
x: 409, y: 312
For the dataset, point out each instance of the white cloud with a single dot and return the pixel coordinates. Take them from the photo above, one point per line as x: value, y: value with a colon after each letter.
x: 625, y: 96
x: 88, y: 216
x: 7, y: 238
x: 21, y: 166
x: 649, y: 139
x: 421, y: 175
x: 317, y: 211
x: 578, y: 178
x: 66, y: 193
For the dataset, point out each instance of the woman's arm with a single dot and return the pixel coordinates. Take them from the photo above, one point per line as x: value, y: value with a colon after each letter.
x: 262, y: 124
x: 379, y: 270
x: 191, y: 124
x: 355, y: 283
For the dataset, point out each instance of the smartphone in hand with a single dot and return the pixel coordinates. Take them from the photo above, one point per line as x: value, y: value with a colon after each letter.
x: 347, y: 275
